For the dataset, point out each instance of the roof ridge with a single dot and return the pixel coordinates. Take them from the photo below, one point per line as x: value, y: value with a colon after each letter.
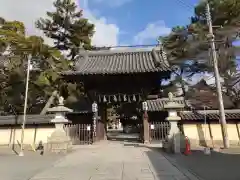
x: 115, y: 51
x: 167, y: 99
x: 214, y: 111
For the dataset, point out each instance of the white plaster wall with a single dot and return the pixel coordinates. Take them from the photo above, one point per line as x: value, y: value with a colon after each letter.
x: 31, y: 135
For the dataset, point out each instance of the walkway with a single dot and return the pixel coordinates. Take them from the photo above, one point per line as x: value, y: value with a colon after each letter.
x: 112, y: 161
x: 223, y: 165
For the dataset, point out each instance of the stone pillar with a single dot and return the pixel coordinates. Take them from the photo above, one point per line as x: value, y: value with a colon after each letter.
x: 173, y: 141
x: 146, y: 135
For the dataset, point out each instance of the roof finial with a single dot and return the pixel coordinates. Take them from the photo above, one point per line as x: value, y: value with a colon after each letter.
x: 170, y: 96
x: 60, y: 101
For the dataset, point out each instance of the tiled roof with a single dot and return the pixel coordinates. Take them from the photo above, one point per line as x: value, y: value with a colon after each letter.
x: 119, y: 62
x: 30, y: 119
x: 191, y: 116
x: 210, y: 115
x: 158, y: 104
x: 33, y: 118
x: 203, y: 94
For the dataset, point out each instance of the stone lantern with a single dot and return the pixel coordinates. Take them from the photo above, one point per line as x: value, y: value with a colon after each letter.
x: 173, y: 139
x: 59, y: 140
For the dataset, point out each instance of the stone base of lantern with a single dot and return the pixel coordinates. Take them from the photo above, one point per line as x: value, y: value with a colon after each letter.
x: 172, y: 143
x: 59, y: 142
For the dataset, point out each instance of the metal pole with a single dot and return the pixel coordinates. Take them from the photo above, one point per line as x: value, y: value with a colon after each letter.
x: 217, y: 78
x: 25, y: 105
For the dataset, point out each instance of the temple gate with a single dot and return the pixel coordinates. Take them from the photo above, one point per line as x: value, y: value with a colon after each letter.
x: 121, y: 78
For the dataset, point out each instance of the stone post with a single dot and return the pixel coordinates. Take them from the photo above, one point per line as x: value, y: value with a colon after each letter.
x: 173, y: 141
x: 146, y: 135
x: 59, y: 140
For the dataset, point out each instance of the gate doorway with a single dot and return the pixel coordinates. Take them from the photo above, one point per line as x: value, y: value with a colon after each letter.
x: 129, y: 130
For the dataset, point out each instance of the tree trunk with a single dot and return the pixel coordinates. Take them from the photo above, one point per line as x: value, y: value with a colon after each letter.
x: 49, y: 102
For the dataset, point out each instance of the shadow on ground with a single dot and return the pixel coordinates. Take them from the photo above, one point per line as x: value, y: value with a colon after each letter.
x: 217, y: 166
x: 223, y: 165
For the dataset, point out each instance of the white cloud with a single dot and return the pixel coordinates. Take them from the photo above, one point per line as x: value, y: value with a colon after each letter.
x: 112, y: 3
x: 151, y: 32
x: 28, y: 11
x: 106, y: 34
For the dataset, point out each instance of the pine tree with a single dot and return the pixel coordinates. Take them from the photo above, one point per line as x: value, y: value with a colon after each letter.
x: 191, y: 42
x: 67, y: 27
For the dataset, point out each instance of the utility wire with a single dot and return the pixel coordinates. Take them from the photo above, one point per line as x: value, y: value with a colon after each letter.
x: 185, y: 4
x: 127, y: 46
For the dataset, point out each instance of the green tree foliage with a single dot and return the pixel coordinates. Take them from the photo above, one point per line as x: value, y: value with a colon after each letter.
x: 191, y: 41
x: 44, y: 78
x: 67, y: 27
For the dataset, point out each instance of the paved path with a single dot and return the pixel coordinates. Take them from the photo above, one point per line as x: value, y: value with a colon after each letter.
x: 217, y: 166
x: 112, y: 161
x: 13, y: 167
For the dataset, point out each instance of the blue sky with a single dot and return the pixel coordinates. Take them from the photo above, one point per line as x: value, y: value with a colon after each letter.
x: 136, y: 22
x: 135, y: 16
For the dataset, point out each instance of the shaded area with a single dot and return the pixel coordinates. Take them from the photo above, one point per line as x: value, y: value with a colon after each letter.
x: 222, y: 165
x: 163, y: 168
x: 160, y: 166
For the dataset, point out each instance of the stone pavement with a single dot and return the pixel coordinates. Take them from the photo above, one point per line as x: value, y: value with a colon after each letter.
x: 112, y: 161
x: 223, y: 165
x: 13, y: 167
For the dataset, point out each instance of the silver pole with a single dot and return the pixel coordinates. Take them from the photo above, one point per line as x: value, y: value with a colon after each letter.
x: 25, y: 105
x: 217, y: 78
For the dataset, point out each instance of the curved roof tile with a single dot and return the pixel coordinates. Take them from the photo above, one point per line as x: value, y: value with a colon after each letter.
x: 119, y: 62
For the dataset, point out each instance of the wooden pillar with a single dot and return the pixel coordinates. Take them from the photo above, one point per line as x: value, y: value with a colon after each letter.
x: 105, y: 122
x: 102, y: 135
x: 146, y: 134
